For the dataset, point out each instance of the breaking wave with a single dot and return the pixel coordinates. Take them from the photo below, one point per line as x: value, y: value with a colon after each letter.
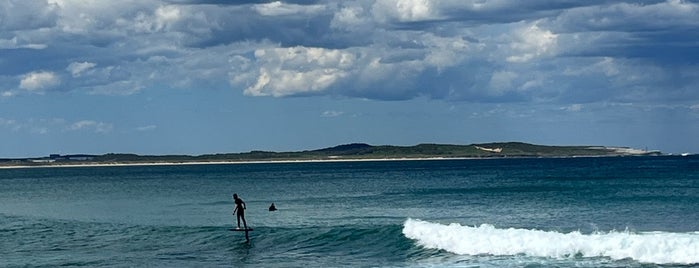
x: 645, y: 247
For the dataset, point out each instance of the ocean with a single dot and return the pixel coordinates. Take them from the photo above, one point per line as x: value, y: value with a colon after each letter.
x: 505, y: 212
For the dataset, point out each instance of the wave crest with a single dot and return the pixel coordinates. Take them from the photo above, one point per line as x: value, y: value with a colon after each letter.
x: 647, y: 247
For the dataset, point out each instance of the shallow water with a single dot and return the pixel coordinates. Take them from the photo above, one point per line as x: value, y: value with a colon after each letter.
x: 572, y: 212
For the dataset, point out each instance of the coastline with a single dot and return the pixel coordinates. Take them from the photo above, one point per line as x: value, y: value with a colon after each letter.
x: 356, y: 152
x: 300, y: 161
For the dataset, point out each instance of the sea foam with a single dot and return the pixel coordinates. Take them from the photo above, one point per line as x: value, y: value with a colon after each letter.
x: 646, y: 247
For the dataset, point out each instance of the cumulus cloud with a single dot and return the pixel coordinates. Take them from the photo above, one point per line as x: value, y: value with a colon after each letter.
x: 494, y: 51
x: 351, y: 18
x: 18, y: 15
x: 531, y: 42
x: 39, y: 80
x: 403, y: 10
x: 298, y: 70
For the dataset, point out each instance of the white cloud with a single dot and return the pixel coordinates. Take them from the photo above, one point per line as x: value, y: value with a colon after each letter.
x: 39, y: 80
x: 331, y: 114
x: 32, y: 125
x: 147, y: 128
x: 77, y: 68
x: 393, y: 49
x: 26, y: 15
x: 403, y: 10
x: 15, y: 44
x: 119, y: 88
x: 278, y: 8
x: 297, y: 70
x: 166, y: 15
x: 444, y: 52
x: 352, y: 18
x: 532, y: 42
x: 98, y: 127
x: 573, y: 108
x: 7, y: 94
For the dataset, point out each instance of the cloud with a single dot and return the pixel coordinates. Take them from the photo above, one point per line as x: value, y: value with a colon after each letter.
x: 532, y: 42
x: 77, y: 68
x: 278, y: 8
x: 502, y: 81
x: 403, y: 10
x: 19, y: 15
x: 147, y: 128
x: 14, y: 43
x: 97, y: 127
x: 39, y: 80
x: 7, y: 122
x: 564, y: 52
x: 351, y: 18
x: 298, y: 70
x: 33, y: 126
x: 573, y: 108
x: 331, y: 114
x: 7, y: 94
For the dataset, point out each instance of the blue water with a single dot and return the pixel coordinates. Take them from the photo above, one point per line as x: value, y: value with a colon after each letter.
x: 571, y: 212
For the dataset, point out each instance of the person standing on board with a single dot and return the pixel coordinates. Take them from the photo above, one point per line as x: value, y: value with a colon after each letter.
x: 240, y: 209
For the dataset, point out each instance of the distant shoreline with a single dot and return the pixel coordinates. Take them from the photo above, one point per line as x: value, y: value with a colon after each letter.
x: 355, y: 152
x: 300, y: 161
x: 237, y: 162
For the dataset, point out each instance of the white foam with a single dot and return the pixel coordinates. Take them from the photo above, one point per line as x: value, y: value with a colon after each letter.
x: 646, y: 247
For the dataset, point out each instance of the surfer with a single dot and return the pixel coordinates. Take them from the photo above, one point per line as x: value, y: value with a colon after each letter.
x: 240, y: 209
x: 272, y: 207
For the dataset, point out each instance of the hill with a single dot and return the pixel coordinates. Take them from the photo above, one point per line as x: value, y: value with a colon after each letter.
x: 354, y: 151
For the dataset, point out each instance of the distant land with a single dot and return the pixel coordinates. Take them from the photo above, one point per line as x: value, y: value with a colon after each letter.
x: 354, y: 151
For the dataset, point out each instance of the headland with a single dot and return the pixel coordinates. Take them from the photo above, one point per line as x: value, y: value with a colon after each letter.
x: 346, y: 152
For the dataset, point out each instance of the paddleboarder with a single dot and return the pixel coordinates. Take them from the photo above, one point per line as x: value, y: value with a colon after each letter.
x: 240, y: 209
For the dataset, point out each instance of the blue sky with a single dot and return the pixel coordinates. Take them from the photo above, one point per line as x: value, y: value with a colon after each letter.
x: 214, y: 76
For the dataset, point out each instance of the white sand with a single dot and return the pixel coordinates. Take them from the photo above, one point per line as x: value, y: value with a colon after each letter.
x: 229, y: 162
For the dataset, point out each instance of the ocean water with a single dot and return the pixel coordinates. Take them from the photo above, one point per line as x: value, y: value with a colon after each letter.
x: 568, y: 212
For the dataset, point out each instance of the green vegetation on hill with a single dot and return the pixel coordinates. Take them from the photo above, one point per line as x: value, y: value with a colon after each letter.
x: 345, y: 152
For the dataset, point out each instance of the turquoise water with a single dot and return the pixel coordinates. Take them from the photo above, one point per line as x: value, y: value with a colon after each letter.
x: 572, y: 212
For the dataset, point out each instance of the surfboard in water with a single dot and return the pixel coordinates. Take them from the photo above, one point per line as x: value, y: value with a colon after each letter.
x: 240, y: 230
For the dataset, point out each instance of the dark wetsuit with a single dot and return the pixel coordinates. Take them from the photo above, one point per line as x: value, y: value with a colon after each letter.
x: 240, y: 211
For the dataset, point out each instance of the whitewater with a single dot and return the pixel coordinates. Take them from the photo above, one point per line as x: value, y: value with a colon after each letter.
x: 646, y: 247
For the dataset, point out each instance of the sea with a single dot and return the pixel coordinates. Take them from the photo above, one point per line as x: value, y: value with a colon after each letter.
x: 504, y: 212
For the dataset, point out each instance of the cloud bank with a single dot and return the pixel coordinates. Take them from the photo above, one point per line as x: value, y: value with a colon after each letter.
x: 561, y: 52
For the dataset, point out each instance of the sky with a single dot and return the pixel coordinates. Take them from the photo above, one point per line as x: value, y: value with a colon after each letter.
x: 212, y: 76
